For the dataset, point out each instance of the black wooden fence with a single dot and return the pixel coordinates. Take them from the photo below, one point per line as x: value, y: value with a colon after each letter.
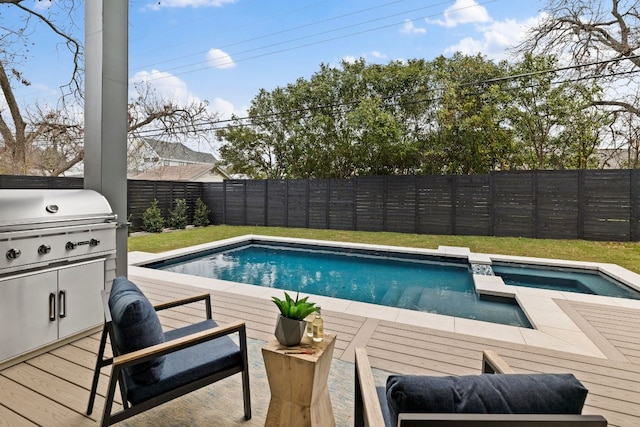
x: 585, y: 204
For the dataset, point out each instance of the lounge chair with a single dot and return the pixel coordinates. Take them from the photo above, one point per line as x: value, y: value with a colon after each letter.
x: 153, y: 367
x: 418, y: 401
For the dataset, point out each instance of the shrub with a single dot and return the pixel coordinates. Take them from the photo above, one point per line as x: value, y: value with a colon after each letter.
x: 201, y: 214
x: 152, y: 220
x: 178, y: 215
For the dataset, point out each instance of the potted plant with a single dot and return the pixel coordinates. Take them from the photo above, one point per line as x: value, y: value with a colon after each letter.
x: 291, y: 326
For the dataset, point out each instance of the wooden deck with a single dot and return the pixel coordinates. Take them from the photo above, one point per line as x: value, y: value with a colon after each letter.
x: 51, y: 389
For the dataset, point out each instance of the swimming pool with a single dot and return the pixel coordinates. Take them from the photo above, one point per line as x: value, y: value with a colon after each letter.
x: 556, y: 325
x: 434, y: 284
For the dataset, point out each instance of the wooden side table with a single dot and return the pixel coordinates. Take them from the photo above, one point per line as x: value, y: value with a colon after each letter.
x: 299, y: 384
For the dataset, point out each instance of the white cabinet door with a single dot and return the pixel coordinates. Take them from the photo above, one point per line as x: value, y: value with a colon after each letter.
x: 28, y: 317
x: 80, y: 302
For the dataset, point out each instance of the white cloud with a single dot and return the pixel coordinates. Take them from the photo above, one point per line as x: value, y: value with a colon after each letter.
x: 410, y: 28
x: 368, y: 57
x: 156, y: 5
x: 169, y: 87
x: 42, y: 5
x: 217, y: 58
x: 463, y: 12
x: 166, y: 85
x: 225, y: 109
x: 495, y: 39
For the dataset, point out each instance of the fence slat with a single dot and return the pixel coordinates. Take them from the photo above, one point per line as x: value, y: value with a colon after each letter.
x: 583, y: 204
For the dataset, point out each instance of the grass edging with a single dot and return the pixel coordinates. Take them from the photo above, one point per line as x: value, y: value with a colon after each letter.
x: 624, y: 254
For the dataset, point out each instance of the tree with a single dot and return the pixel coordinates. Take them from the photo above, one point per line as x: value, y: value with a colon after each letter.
x: 375, y: 140
x: 471, y: 135
x: 59, y: 145
x: 552, y: 119
x: 47, y: 139
x: 201, y: 214
x: 149, y: 113
x: 629, y: 157
x: 601, y: 38
x: 457, y: 115
x: 177, y: 218
x: 21, y: 130
x: 341, y: 122
x: 152, y: 219
x: 253, y: 148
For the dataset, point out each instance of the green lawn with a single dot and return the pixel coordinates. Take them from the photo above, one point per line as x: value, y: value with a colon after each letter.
x: 625, y: 254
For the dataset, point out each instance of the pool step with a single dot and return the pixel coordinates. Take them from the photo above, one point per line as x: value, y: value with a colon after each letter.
x: 392, y: 295
x: 410, y: 297
x: 413, y: 297
x: 436, y: 300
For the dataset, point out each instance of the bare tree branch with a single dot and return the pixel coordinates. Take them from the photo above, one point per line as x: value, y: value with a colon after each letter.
x: 12, y: 140
x: 604, y: 32
x: 625, y: 106
x: 75, y: 83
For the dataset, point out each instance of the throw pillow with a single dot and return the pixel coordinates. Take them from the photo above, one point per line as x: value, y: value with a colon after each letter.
x: 490, y: 394
x: 136, y: 326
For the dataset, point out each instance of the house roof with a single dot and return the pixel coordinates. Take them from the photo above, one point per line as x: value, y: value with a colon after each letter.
x: 178, y: 151
x: 190, y: 172
x: 615, y: 158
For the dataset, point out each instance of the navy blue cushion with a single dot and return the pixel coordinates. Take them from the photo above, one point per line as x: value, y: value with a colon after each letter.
x: 190, y: 364
x: 489, y: 394
x: 384, y: 406
x: 136, y: 326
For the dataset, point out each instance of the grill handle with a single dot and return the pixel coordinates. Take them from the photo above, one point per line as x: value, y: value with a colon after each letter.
x: 62, y: 295
x: 52, y: 307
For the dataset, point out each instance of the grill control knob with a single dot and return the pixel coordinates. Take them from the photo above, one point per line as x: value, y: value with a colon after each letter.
x: 71, y: 246
x: 94, y: 242
x: 13, y: 253
x: 44, y: 249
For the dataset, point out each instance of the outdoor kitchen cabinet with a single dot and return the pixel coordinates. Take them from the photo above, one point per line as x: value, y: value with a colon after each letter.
x: 42, y: 307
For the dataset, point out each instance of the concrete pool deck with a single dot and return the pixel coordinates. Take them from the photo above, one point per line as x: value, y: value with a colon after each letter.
x: 556, y: 325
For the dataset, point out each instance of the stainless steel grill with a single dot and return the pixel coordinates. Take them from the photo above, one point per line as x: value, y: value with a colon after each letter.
x: 57, y: 250
x: 29, y: 209
x: 43, y: 227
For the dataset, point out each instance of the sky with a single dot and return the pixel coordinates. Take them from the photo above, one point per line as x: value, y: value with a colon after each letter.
x: 226, y: 51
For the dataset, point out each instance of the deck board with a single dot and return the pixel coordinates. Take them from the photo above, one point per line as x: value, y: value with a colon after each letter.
x: 620, y: 327
x: 52, y: 389
x: 37, y: 407
x: 9, y: 418
x: 48, y: 384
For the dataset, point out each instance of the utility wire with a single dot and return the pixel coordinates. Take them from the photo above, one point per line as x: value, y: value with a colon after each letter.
x: 368, y: 30
x: 163, y: 76
x: 213, y: 125
x: 287, y: 30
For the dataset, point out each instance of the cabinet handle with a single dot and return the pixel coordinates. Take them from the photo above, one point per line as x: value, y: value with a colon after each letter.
x: 52, y: 306
x: 62, y: 295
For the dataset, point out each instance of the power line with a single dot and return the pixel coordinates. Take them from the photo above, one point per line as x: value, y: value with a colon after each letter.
x: 315, y: 42
x: 213, y: 125
x: 287, y: 30
x: 156, y: 78
x: 566, y: 68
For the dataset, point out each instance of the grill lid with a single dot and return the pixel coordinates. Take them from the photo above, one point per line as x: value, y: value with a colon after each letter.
x: 29, y: 209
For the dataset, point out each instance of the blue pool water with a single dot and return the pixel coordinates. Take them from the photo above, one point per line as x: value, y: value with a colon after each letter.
x: 416, y: 283
x: 563, y: 280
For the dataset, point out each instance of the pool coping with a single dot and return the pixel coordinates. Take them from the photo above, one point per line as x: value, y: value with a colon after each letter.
x: 554, y: 328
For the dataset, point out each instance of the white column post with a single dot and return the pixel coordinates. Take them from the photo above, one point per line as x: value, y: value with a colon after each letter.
x: 105, y: 111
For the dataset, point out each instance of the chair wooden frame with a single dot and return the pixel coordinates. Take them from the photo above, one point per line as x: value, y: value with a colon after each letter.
x: 368, y: 411
x: 122, y: 361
